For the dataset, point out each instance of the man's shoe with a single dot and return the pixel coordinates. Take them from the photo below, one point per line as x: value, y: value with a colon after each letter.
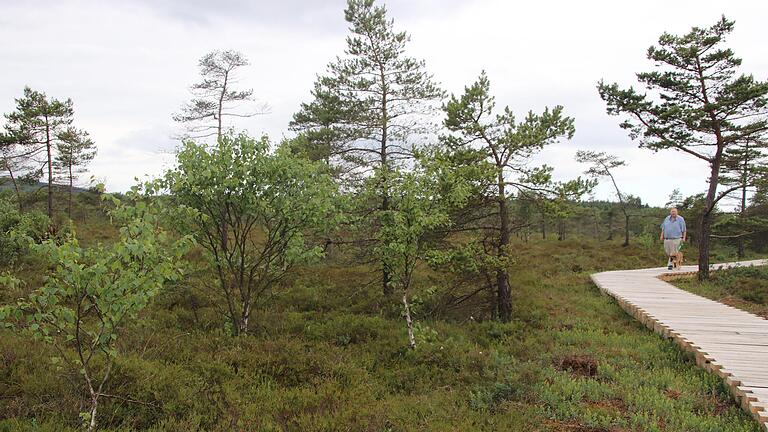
x: 669, y: 267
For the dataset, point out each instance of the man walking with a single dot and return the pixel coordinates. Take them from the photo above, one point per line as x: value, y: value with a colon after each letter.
x: 673, y: 234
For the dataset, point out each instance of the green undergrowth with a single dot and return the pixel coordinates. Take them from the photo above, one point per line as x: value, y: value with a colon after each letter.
x: 329, y: 354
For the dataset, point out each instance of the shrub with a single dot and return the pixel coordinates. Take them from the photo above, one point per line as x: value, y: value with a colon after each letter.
x: 15, y: 230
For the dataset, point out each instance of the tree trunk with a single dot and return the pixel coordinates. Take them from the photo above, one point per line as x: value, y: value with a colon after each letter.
x: 703, y: 243
x: 48, y: 146
x: 610, y: 225
x: 705, y: 221
x: 69, y: 204
x: 220, y: 108
x: 385, y: 271
x: 15, y: 186
x: 409, y: 321
x: 626, y: 230
x: 224, y: 233
x: 243, y: 324
x: 94, y: 407
x: 743, y: 211
x: 386, y: 283
x: 742, y: 215
x: 504, y: 297
x: 596, y: 227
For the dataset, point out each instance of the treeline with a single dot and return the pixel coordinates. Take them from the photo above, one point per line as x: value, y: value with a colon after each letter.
x: 387, y: 169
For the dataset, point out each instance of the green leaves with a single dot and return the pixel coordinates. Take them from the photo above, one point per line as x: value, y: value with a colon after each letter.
x: 696, y: 104
x: 256, y: 213
x: 90, y: 293
x: 493, y: 150
x: 371, y: 100
x: 490, y: 153
x: 500, y: 139
x: 214, y: 96
x: 19, y: 230
x: 697, y: 101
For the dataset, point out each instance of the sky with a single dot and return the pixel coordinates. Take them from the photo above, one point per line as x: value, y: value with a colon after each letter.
x: 128, y: 65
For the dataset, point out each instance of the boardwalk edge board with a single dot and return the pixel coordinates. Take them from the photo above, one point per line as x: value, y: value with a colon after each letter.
x: 696, y: 325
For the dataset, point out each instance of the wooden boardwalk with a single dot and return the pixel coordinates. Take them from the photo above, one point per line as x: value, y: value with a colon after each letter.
x: 726, y: 341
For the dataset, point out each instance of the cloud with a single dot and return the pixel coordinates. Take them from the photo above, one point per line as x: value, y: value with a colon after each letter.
x: 295, y: 14
x: 128, y: 65
x: 143, y: 153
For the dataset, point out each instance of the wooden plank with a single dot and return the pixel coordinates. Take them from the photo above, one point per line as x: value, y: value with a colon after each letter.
x: 724, y: 340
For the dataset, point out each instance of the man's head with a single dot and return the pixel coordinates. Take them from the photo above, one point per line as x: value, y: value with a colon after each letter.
x: 673, y: 212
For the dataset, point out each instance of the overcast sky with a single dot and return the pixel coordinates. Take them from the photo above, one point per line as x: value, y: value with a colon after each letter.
x: 127, y: 65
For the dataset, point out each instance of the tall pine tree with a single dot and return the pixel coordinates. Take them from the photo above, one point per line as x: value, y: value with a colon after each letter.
x: 698, y: 105
x: 368, y: 107
x: 34, y: 127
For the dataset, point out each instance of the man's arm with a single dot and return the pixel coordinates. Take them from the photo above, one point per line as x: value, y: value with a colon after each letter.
x: 661, y: 236
x: 685, y: 231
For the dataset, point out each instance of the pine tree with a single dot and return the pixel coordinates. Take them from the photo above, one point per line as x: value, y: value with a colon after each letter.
x: 603, y: 165
x: 744, y: 166
x: 757, y: 210
x: 34, y: 127
x: 698, y: 105
x: 675, y: 198
x: 75, y: 150
x: 495, y: 150
x: 369, y: 106
x: 215, y: 97
x: 9, y: 162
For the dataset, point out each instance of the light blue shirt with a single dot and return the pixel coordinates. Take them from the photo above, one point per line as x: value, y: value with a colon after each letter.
x: 673, y: 229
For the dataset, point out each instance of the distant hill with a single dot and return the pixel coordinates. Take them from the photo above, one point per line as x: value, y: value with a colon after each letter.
x: 30, y: 187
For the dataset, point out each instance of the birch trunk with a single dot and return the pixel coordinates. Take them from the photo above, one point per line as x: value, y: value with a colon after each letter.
x: 409, y: 322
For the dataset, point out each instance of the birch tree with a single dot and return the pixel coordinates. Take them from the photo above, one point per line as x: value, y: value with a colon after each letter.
x: 92, y: 293
x: 411, y: 230
x: 272, y: 203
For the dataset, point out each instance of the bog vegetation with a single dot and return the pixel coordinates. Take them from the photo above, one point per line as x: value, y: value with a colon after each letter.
x: 398, y: 264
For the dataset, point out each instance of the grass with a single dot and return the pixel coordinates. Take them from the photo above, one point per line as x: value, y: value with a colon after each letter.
x: 745, y: 288
x: 328, y: 354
